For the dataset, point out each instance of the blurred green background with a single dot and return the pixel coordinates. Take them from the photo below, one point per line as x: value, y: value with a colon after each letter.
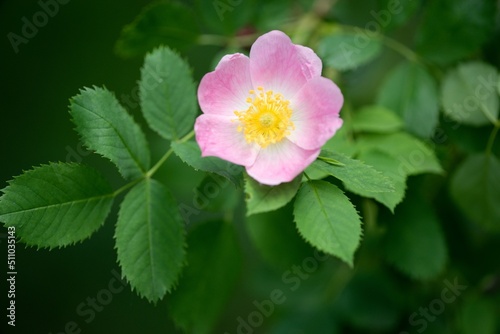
x: 76, y: 49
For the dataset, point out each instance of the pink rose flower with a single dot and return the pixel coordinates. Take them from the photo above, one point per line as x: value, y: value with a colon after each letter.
x: 270, y: 112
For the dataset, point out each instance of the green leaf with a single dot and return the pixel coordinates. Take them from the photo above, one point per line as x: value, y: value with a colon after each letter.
x: 214, y: 265
x: 168, y: 94
x: 190, y: 153
x: 150, y: 239
x: 346, y: 50
x: 477, y: 316
x: 356, y: 176
x: 376, y: 119
x: 262, y: 198
x: 388, y: 166
x: 275, y: 236
x: 56, y: 205
x: 106, y: 127
x: 313, y: 172
x: 411, y: 92
x: 414, y: 242
x: 475, y: 187
x: 471, y: 22
x: 468, y: 94
x: 414, y: 156
x: 168, y: 23
x: 327, y: 220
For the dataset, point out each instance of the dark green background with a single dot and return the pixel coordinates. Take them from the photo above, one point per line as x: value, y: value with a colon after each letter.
x: 73, y: 50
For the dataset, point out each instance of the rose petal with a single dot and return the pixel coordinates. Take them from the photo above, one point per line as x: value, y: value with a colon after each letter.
x: 310, y: 62
x: 315, y: 113
x: 225, y: 90
x: 218, y: 136
x: 281, y: 162
x: 279, y: 65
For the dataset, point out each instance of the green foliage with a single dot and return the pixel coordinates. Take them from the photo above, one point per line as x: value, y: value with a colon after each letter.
x: 387, y: 165
x: 56, y: 205
x: 106, y: 127
x: 150, y: 239
x: 356, y: 176
x: 169, y: 23
x: 225, y: 17
x: 411, y: 92
x: 370, y: 302
x: 167, y: 94
x: 275, y: 237
x: 468, y: 94
x: 414, y: 156
x: 470, y: 21
x: 262, y: 198
x: 271, y: 14
x: 343, y: 141
x: 414, y: 242
x: 396, y: 13
x: 214, y: 265
x: 475, y: 186
x: 376, y: 119
x: 346, y: 50
x: 190, y: 153
x: 478, y: 316
x: 220, y: 195
x: 327, y: 220
x: 498, y: 85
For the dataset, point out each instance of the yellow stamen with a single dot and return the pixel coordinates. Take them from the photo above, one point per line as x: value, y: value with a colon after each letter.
x: 268, y: 118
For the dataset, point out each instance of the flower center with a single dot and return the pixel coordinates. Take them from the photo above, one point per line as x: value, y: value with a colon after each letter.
x: 268, y: 118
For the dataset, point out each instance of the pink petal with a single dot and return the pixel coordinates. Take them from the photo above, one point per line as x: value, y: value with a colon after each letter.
x: 315, y: 114
x: 225, y: 90
x: 281, y: 162
x: 218, y: 136
x: 279, y: 65
x: 311, y: 64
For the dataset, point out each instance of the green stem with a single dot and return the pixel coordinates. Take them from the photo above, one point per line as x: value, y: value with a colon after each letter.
x: 388, y: 42
x: 159, y: 163
x: 154, y: 168
x: 491, y: 140
x: 401, y: 49
x: 164, y: 158
x: 127, y: 186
